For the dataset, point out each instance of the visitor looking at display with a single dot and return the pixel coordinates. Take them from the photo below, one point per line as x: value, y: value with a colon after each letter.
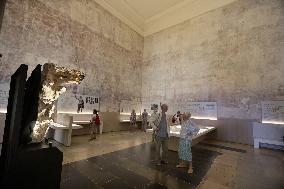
x: 188, y: 130
x: 95, y: 125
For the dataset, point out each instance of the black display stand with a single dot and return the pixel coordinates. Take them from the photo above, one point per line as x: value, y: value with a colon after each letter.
x: 38, y: 166
x: 25, y: 165
x: 2, y: 9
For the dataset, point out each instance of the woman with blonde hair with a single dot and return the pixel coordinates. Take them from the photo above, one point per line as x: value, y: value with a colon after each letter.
x: 188, y: 130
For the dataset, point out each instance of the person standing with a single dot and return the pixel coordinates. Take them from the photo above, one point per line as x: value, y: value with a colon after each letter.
x: 95, y: 125
x: 153, y: 121
x: 144, y: 120
x: 133, y: 119
x: 188, y: 131
x: 161, y: 127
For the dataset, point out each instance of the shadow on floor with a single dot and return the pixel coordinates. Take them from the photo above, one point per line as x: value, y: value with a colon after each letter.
x: 133, y: 168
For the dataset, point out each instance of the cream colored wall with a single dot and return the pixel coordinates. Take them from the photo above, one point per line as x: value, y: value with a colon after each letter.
x: 74, y: 34
x: 231, y: 55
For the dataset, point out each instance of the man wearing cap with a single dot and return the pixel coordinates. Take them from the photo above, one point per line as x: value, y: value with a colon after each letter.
x: 161, y: 126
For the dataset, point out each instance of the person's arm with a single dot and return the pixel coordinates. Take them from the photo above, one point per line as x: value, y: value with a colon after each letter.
x: 76, y: 97
x: 152, y: 121
x: 169, y: 122
x: 192, y: 129
x: 187, y: 130
x: 92, y: 120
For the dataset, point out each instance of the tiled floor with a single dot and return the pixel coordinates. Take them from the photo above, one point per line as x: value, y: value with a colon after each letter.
x: 123, y: 160
x: 81, y: 148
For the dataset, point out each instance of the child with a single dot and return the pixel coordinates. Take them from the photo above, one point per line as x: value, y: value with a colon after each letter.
x: 95, y: 124
x: 188, y: 130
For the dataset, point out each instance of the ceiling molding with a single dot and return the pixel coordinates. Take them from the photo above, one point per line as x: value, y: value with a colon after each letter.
x: 133, y: 10
x: 180, y: 13
x: 169, y: 10
x: 137, y: 26
x: 174, y: 15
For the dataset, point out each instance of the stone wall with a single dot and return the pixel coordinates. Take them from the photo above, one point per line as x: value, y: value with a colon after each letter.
x: 232, y: 55
x: 77, y: 34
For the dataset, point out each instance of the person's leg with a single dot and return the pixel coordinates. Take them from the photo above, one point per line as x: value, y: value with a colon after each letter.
x: 158, y: 148
x: 153, y: 137
x: 181, y: 153
x: 181, y: 164
x: 92, y: 133
x: 95, y: 132
x: 98, y: 129
x: 132, y: 127
x: 165, y: 150
x: 190, y: 169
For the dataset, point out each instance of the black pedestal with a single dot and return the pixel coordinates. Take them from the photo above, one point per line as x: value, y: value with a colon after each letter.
x: 38, y: 166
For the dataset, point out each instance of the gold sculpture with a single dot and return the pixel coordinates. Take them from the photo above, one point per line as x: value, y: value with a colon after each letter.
x: 53, y: 79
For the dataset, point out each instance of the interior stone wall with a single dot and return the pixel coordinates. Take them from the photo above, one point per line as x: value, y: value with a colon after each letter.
x: 77, y: 34
x: 232, y: 55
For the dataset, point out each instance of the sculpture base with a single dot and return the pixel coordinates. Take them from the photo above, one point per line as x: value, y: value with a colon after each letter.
x: 37, y: 166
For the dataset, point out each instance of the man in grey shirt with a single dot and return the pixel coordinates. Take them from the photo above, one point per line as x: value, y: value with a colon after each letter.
x: 161, y: 126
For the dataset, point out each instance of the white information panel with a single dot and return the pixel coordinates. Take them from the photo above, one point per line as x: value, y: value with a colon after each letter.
x: 77, y: 103
x: 4, y: 94
x: 150, y: 106
x: 272, y: 112
x: 126, y: 106
x: 202, y: 110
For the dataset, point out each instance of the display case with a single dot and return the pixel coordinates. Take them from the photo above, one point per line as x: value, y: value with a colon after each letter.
x: 204, y: 131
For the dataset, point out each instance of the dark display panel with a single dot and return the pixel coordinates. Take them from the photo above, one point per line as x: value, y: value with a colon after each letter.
x: 33, y: 87
x: 2, y: 8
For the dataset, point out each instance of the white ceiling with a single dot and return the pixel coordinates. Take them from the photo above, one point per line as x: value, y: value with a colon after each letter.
x: 149, y: 8
x: 150, y: 16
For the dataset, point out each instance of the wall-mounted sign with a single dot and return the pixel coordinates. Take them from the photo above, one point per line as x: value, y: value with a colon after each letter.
x: 126, y: 106
x: 150, y: 105
x: 4, y: 94
x: 202, y: 110
x: 272, y: 112
x: 154, y: 106
x: 76, y: 103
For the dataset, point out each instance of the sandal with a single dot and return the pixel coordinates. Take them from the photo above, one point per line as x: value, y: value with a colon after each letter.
x: 181, y: 166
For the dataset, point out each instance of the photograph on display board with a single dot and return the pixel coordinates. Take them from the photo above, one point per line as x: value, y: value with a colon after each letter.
x: 77, y: 103
x: 80, y: 104
x: 154, y: 106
